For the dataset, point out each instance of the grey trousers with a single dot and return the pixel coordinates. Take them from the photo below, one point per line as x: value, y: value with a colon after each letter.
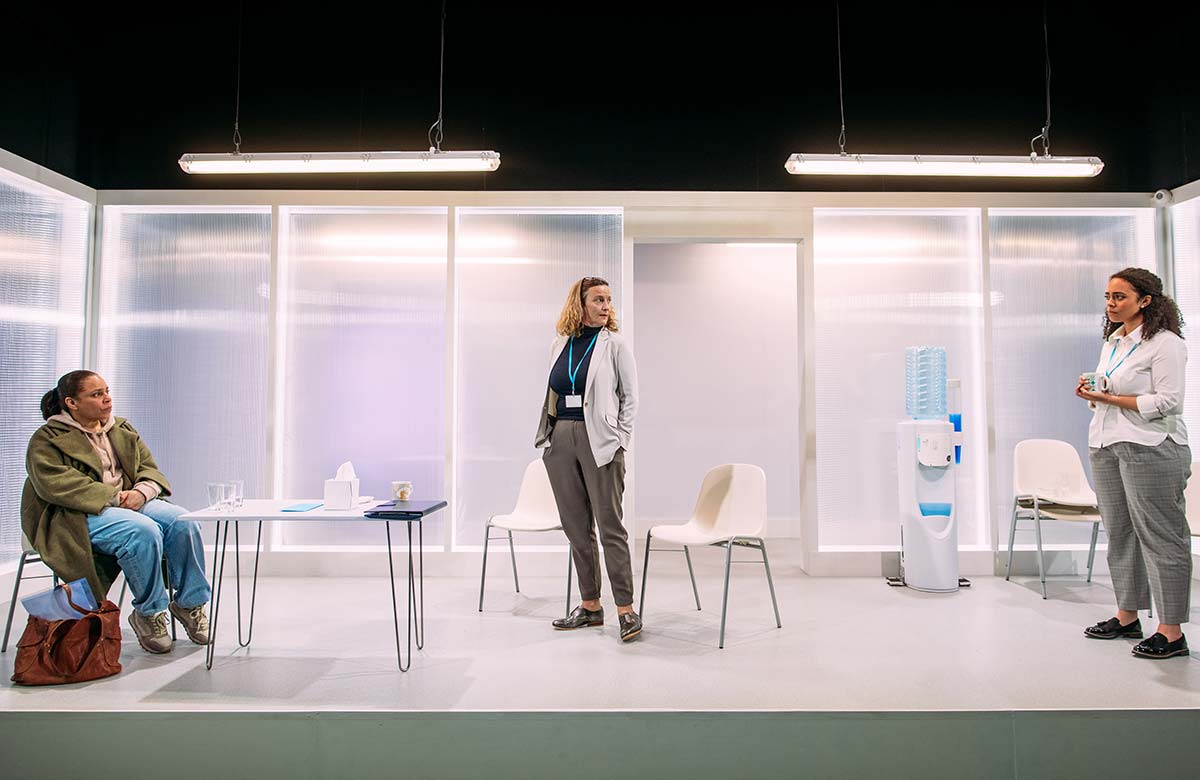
x: 1140, y: 490
x: 583, y: 491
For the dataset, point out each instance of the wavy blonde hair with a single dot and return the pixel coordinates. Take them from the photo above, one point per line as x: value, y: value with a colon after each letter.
x: 570, y: 321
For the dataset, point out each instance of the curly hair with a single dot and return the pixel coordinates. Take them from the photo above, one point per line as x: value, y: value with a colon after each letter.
x: 1160, y: 314
x: 570, y: 321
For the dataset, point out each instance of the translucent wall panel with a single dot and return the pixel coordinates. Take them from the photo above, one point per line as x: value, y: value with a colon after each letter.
x: 183, y: 339
x: 363, y: 342
x: 1185, y: 219
x: 1049, y: 269
x: 513, y: 273
x: 719, y: 374
x: 886, y: 280
x: 43, y: 266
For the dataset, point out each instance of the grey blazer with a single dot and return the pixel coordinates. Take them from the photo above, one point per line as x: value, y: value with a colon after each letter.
x: 609, y: 397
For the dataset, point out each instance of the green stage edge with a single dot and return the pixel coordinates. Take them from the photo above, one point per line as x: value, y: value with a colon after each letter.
x: 579, y: 745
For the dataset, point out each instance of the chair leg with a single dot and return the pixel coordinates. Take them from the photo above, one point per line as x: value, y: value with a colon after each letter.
x: 725, y: 595
x: 487, y: 533
x: 770, y: 583
x: 1092, y: 551
x: 12, y: 605
x: 124, y: 587
x: 692, y: 574
x: 645, y: 574
x: 570, y: 571
x: 1037, y: 527
x: 170, y: 596
x: 1012, y: 537
x: 512, y: 551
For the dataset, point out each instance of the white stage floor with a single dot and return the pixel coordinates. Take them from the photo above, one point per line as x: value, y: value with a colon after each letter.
x: 846, y: 645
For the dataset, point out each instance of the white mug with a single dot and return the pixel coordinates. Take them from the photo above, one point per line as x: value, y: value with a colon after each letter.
x: 402, y: 491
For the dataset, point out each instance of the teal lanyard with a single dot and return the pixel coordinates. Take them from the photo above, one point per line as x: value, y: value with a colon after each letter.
x: 1108, y: 374
x: 571, y: 374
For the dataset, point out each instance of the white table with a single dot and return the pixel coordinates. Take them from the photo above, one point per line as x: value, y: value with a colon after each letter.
x: 258, y: 510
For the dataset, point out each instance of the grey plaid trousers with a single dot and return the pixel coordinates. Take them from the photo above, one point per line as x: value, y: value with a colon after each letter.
x: 1140, y: 491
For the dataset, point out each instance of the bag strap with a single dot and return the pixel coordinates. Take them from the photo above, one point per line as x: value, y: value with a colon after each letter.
x: 67, y: 587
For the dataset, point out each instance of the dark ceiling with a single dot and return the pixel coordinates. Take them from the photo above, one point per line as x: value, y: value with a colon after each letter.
x: 594, y: 97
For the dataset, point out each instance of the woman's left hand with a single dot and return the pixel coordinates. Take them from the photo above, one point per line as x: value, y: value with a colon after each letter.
x: 1093, y: 396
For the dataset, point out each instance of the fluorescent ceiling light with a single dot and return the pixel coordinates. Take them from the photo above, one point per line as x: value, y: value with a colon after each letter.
x: 941, y: 165
x: 341, y: 162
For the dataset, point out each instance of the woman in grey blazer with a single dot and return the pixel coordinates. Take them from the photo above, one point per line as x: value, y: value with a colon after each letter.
x: 586, y: 424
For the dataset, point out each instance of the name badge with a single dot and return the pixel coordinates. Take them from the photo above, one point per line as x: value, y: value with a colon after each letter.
x: 573, y: 401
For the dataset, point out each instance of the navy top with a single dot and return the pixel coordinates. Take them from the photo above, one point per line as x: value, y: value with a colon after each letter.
x: 560, y: 381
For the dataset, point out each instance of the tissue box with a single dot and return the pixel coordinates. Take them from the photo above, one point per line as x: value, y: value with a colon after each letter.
x: 341, y: 493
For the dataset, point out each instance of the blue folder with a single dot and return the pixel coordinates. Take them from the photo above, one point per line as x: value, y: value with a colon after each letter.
x: 53, y: 605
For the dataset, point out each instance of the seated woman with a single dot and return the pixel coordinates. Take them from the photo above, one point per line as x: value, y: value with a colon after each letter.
x: 93, y: 484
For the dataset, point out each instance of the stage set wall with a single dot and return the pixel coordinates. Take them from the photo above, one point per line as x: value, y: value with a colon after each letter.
x: 270, y: 335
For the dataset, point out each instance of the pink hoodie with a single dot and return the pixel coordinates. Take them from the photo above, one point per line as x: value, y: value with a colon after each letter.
x: 111, y: 469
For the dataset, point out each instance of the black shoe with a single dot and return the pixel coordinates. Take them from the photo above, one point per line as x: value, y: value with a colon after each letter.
x: 580, y: 617
x: 1112, y: 629
x: 631, y: 626
x: 1158, y: 647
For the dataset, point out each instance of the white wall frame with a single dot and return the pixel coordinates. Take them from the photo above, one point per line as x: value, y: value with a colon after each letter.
x: 1185, y: 192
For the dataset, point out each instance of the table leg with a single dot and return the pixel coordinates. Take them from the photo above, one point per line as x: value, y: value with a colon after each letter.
x: 387, y: 524
x: 214, y: 602
x: 420, y: 619
x: 237, y: 567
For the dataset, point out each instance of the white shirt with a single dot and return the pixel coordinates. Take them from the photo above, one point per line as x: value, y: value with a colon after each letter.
x: 1152, y: 370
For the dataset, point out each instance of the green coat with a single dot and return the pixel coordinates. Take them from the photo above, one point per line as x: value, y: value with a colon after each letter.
x: 64, y: 487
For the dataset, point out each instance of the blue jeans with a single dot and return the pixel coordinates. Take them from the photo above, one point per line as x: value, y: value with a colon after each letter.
x: 139, y: 539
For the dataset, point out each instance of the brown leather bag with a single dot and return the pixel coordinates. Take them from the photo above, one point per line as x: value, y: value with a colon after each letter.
x: 54, y: 652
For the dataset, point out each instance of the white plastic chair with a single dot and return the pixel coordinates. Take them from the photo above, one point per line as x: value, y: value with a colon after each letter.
x: 535, y: 511
x: 28, y: 555
x: 731, y: 511
x: 1049, y: 483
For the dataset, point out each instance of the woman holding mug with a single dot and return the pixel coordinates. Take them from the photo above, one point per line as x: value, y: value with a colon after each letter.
x: 586, y: 424
x: 1141, y: 461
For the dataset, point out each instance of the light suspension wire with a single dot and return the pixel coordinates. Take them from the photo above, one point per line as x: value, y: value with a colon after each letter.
x: 841, y: 102
x: 237, y: 103
x: 1045, y: 134
x: 435, y: 130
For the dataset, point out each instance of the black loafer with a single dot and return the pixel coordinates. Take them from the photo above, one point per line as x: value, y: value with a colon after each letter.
x: 580, y: 617
x: 1157, y: 647
x: 631, y: 626
x: 1112, y: 629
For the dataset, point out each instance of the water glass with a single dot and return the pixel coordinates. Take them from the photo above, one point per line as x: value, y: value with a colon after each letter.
x: 218, y: 495
x: 237, y: 493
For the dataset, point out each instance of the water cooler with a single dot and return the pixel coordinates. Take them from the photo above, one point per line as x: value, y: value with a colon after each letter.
x: 928, y: 448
